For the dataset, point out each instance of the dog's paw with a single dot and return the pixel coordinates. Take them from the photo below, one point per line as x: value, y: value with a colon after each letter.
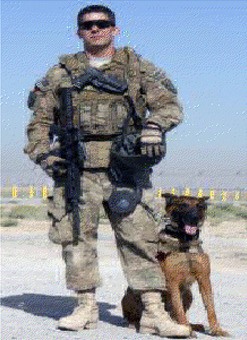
x: 218, y: 332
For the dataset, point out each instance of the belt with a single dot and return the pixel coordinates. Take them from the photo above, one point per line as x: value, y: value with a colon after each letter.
x: 96, y: 170
x: 98, y: 138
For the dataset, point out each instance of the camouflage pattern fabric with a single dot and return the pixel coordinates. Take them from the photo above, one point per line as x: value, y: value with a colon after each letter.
x: 136, y: 238
x: 100, y: 115
x: 97, y: 113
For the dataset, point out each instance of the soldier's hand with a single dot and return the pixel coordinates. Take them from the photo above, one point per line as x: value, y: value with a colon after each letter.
x: 54, y: 166
x: 151, y: 141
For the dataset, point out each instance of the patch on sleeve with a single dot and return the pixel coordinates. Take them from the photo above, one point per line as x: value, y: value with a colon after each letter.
x: 31, y: 99
x: 170, y: 87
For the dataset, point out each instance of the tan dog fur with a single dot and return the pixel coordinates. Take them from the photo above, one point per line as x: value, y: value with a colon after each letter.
x: 181, y: 270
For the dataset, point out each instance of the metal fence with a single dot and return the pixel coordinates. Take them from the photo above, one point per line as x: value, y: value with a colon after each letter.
x: 223, y: 195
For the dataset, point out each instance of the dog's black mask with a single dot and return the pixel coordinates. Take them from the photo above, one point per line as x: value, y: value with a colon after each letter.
x: 187, y: 214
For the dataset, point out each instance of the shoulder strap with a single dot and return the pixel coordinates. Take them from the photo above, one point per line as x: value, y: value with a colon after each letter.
x: 133, y: 72
x: 74, y: 63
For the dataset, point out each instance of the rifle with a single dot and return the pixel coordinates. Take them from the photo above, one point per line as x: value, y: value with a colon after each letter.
x: 107, y: 83
x: 74, y: 152
x: 71, y: 140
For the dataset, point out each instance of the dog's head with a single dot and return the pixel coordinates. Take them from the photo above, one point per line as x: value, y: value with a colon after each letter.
x: 187, y: 213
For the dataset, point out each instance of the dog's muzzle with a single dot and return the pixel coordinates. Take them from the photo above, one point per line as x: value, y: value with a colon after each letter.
x: 190, y: 223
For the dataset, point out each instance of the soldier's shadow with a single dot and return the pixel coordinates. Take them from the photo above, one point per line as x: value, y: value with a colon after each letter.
x: 56, y: 307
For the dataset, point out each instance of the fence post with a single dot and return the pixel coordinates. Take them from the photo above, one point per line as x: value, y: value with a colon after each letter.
x: 187, y: 192
x: 212, y: 194
x: 224, y: 196
x: 44, y: 192
x: 159, y: 193
x: 173, y: 191
x: 200, y: 193
x: 14, y: 191
x: 32, y: 192
x: 237, y: 196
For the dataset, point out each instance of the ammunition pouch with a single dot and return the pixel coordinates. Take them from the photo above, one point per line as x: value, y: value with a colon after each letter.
x: 129, y: 169
x: 60, y: 231
x: 128, y: 187
x: 127, y: 151
x: 126, y: 148
x: 129, y: 182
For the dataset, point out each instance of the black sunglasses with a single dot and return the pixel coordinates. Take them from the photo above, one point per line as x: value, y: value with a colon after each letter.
x: 88, y: 25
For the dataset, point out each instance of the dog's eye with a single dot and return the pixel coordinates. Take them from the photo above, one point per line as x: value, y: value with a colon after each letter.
x: 201, y: 206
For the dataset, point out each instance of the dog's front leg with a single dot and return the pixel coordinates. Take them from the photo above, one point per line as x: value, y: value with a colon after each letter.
x: 177, y: 305
x: 207, y: 296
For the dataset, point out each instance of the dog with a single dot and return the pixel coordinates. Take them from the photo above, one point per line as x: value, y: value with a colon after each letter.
x: 183, y: 262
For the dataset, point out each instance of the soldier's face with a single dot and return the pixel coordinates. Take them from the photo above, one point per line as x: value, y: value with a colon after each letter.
x: 96, y: 31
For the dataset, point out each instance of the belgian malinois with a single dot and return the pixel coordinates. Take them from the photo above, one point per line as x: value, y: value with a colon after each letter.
x: 182, y: 265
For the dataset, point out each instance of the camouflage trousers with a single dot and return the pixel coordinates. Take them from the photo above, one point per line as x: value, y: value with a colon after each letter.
x: 136, y: 238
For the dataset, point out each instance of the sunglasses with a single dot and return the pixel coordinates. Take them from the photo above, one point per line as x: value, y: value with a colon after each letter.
x: 101, y: 24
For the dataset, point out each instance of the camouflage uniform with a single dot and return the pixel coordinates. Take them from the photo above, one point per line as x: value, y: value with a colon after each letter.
x: 101, y: 116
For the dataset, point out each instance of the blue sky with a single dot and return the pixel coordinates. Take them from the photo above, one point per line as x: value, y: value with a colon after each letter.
x: 200, y: 44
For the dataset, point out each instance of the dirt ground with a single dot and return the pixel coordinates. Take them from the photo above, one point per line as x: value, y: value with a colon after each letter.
x: 34, y: 294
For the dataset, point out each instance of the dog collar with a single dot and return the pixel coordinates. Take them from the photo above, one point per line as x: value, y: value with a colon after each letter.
x: 191, y: 247
x: 169, y: 242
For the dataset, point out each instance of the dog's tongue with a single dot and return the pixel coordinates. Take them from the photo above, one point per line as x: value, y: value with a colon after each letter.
x: 190, y: 229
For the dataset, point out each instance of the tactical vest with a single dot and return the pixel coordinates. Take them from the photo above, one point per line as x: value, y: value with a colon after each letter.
x: 98, y: 113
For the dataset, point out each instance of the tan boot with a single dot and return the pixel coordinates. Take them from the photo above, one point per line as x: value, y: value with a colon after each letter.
x: 155, y: 320
x: 84, y: 316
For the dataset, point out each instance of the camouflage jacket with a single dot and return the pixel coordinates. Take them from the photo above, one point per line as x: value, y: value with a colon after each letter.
x: 100, y: 113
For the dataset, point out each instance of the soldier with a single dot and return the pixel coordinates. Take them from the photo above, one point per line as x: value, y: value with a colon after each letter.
x: 100, y: 116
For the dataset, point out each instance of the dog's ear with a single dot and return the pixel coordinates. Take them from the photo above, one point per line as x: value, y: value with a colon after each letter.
x: 169, y: 198
x: 203, y: 203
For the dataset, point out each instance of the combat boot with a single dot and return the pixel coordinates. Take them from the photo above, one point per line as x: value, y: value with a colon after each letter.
x: 155, y: 320
x: 84, y: 316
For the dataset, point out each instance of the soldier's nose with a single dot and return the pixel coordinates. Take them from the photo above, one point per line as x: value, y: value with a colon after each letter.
x: 94, y: 28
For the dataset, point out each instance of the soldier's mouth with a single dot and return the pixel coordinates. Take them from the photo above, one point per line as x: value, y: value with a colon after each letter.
x: 96, y: 37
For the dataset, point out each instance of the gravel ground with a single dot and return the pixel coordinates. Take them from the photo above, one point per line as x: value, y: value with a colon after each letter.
x: 34, y: 294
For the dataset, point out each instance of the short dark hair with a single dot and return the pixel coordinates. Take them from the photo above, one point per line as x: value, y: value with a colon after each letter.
x: 97, y: 9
